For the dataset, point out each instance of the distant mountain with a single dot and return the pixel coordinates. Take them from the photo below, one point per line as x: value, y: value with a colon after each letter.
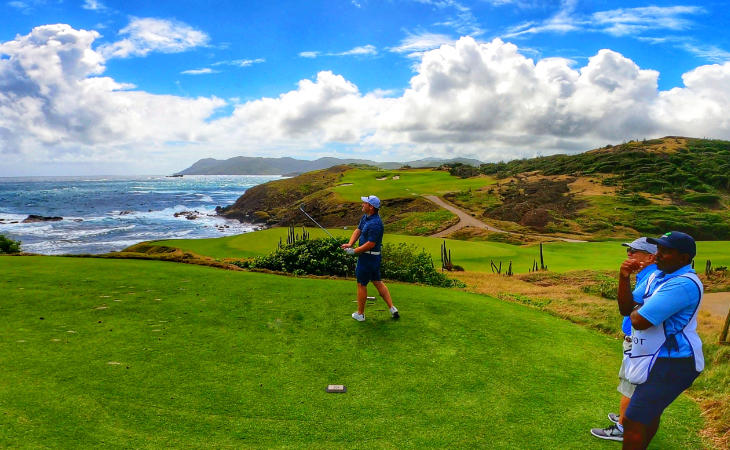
x: 435, y: 162
x: 246, y: 165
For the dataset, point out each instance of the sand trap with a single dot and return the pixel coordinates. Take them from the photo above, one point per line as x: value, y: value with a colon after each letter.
x: 114, y: 363
x: 381, y: 179
x: 101, y: 307
x: 397, y: 177
x: 344, y: 184
x: 717, y: 303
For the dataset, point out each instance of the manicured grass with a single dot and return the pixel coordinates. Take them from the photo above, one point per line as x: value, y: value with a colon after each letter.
x: 410, y: 182
x: 192, y: 356
x: 473, y: 256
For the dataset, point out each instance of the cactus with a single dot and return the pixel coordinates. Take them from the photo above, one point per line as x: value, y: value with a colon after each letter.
x: 446, y: 258
x: 542, y: 260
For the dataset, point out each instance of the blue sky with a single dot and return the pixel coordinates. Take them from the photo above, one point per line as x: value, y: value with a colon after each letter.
x: 94, y: 86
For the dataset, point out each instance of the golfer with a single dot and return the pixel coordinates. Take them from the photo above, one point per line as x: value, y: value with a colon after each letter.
x: 666, y: 352
x: 370, y: 235
x: 644, y: 253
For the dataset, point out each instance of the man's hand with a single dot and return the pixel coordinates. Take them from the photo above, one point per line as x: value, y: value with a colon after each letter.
x: 350, y: 250
x: 346, y: 246
x: 629, y: 266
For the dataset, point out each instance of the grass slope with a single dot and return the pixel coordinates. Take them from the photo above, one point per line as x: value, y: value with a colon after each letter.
x: 358, y: 182
x: 473, y: 256
x: 152, y: 354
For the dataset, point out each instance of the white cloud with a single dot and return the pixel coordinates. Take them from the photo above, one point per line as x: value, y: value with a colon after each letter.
x: 484, y: 100
x: 362, y: 50
x: 708, y: 52
x: 145, y: 35
x: 240, y: 62
x: 93, y: 5
x: 461, y: 20
x: 54, y: 103
x: 203, y: 71
x: 329, y: 109
x: 626, y: 21
x: 617, y: 22
x: 414, y: 45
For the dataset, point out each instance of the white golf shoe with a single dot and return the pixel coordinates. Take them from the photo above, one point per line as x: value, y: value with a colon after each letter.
x: 358, y: 317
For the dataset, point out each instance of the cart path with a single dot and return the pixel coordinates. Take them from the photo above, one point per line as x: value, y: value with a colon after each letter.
x: 716, y: 303
x: 467, y: 220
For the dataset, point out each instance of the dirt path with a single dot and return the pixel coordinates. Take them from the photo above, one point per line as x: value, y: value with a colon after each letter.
x: 717, y: 303
x: 467, y: 220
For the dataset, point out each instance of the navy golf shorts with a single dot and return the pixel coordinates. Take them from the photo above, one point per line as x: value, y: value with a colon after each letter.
x: 368, y: 269
x: 668, y: 378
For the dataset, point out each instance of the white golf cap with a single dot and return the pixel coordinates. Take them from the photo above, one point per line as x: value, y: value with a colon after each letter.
x: 373, y: 200
x: 642, y: 245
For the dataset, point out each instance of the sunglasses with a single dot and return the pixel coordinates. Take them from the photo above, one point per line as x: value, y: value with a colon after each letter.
x: 631, y: 251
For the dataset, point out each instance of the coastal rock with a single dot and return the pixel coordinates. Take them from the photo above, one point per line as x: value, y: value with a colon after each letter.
x: 35, y: 218
x: 190, y: 215
x: 124, y: 213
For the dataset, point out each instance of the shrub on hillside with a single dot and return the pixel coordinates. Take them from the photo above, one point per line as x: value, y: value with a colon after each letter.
x: 463, y: 170
x: 400, y: 262
x: 404, y: 262
x: 9, y: 245
x: 308, y: 257
x: 702, y: 199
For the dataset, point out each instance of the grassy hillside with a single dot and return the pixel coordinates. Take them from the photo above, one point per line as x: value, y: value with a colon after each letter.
x: 473, y: 256
x: 333, y: 197
x: 621, y: 191
x: 639, y: 186
x: 150, y: 354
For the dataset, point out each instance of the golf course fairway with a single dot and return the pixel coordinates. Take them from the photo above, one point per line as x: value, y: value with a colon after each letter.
x: 471, y: 255
x: 128, y: 353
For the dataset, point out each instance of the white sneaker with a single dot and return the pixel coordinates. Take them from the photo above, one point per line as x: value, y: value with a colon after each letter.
x: 394, y: 312
x: 358, y: 317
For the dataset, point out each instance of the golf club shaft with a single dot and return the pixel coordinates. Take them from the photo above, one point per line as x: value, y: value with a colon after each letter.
x: 315, y: 222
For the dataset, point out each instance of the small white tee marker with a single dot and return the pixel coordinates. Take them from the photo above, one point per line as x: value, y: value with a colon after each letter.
x: 336, y: 388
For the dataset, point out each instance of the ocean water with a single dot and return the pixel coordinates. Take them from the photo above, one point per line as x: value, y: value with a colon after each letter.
x: 102, y: 214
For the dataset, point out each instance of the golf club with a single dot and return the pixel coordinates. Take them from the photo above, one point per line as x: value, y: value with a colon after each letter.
x: 301, y: 208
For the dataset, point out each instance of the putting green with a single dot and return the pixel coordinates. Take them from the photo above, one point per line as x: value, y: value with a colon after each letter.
x: 472, y: 255
x: 127, y: 353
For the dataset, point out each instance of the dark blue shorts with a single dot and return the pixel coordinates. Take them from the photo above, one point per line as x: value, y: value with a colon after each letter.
x: 368, y: 269
x: 668, y: 378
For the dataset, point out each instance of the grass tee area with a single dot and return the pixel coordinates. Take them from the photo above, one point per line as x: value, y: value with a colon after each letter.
x: 126, y: 353
x: 472, y: 255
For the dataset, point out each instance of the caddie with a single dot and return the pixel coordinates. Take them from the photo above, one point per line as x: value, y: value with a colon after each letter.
x: 666, y: 352
x: 644, y: 253
x: 369, y: 234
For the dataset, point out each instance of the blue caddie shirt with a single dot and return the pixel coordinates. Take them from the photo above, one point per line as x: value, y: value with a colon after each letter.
x: 638, y: 294
x: 674, y: 304
x: 371, y: 230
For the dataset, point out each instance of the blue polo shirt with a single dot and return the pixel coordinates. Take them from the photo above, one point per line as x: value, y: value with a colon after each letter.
x: 371, y: 230
x: 638, y: 294
x: 674, y: 304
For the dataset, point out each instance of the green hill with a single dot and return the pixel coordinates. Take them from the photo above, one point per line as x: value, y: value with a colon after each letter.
x: 615, y: 192
x: 143, y: 354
